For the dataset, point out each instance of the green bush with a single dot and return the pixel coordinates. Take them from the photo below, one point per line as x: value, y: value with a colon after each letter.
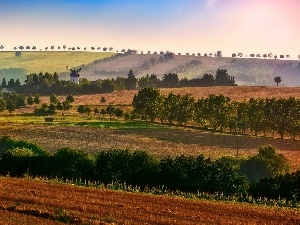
x: 267, y: 163
x: 7, y: 143
x: 72, y: 164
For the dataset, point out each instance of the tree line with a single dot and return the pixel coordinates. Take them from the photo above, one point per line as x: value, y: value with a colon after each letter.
x: 47, y: 83
x: 139, y: 168
x: 217, y: 112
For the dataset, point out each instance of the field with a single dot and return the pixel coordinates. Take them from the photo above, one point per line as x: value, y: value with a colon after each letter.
x: 35, y: 62
x: 26, y: 201
x: 94, y: 134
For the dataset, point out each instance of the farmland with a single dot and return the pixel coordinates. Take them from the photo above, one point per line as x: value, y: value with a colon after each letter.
x: 94, y: 134
x: 35, y: 62
x: 45, y: 202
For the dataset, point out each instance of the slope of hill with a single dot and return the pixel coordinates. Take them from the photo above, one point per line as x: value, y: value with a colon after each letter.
x: 247, y: 71
x: 101, y: 65
x: 35, y: 62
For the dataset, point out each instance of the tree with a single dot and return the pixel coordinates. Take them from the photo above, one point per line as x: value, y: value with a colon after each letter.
x: 185, y: 109
x: 223, y: 79
x: 96, y: 111
x: 118, y: 112
x: 3, y: 84
x: 30, y: 101
x: 36, y: 99
x: 169, y: 109
x: 70, y: 98
x: 53, y: 99
x: 170, y: 80
x: 80, y: 109
x: 130, y: 82
x: 87, y: 110
x: 267, y: 163
x: 2, y: 104
x: 10, y: 106
x: 145, y: 103
x: 277, y: 80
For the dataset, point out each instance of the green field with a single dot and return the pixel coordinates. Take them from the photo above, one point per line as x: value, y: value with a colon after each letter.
x: 35, y: 62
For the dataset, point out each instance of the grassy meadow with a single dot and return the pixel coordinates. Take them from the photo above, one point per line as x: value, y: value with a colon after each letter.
x: 44, y: 61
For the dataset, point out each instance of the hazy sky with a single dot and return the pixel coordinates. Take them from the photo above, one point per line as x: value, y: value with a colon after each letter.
x: 247, y: 26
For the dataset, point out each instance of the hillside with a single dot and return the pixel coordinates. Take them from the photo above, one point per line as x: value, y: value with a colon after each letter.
x: 247, y: 71
x: 35, y: 62
x: 100, y: 65
x: 24, y: 200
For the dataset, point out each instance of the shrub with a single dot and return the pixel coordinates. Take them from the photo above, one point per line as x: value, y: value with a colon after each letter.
x: 267, y: 163
x: 72, y: 164
x: 7, y: 143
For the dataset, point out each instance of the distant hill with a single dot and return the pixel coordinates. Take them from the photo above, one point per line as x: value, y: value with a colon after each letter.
x: 247, y: 71
x: 100, y: 65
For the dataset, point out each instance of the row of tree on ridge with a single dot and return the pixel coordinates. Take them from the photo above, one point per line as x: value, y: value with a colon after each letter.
x: 49, y: 83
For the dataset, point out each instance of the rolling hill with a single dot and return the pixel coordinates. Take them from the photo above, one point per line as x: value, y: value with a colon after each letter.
x: 99, y: 65
x: 247, y: 71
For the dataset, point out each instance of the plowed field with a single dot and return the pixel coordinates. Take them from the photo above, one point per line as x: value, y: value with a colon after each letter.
x: 35, y: 202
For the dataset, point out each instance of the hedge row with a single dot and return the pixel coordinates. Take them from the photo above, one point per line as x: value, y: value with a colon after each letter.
x: 139, y: 168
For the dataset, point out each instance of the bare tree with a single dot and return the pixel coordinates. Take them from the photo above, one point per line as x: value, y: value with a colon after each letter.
x: 64, y: 47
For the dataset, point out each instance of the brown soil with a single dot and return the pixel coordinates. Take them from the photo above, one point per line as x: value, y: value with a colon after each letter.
x: 36, y: 202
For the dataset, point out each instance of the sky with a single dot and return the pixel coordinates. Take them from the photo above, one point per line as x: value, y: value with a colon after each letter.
x: 193, y: 26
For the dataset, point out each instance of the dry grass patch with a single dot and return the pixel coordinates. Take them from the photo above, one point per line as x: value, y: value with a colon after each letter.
x: 163, y: 141
x: 238, y: 93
